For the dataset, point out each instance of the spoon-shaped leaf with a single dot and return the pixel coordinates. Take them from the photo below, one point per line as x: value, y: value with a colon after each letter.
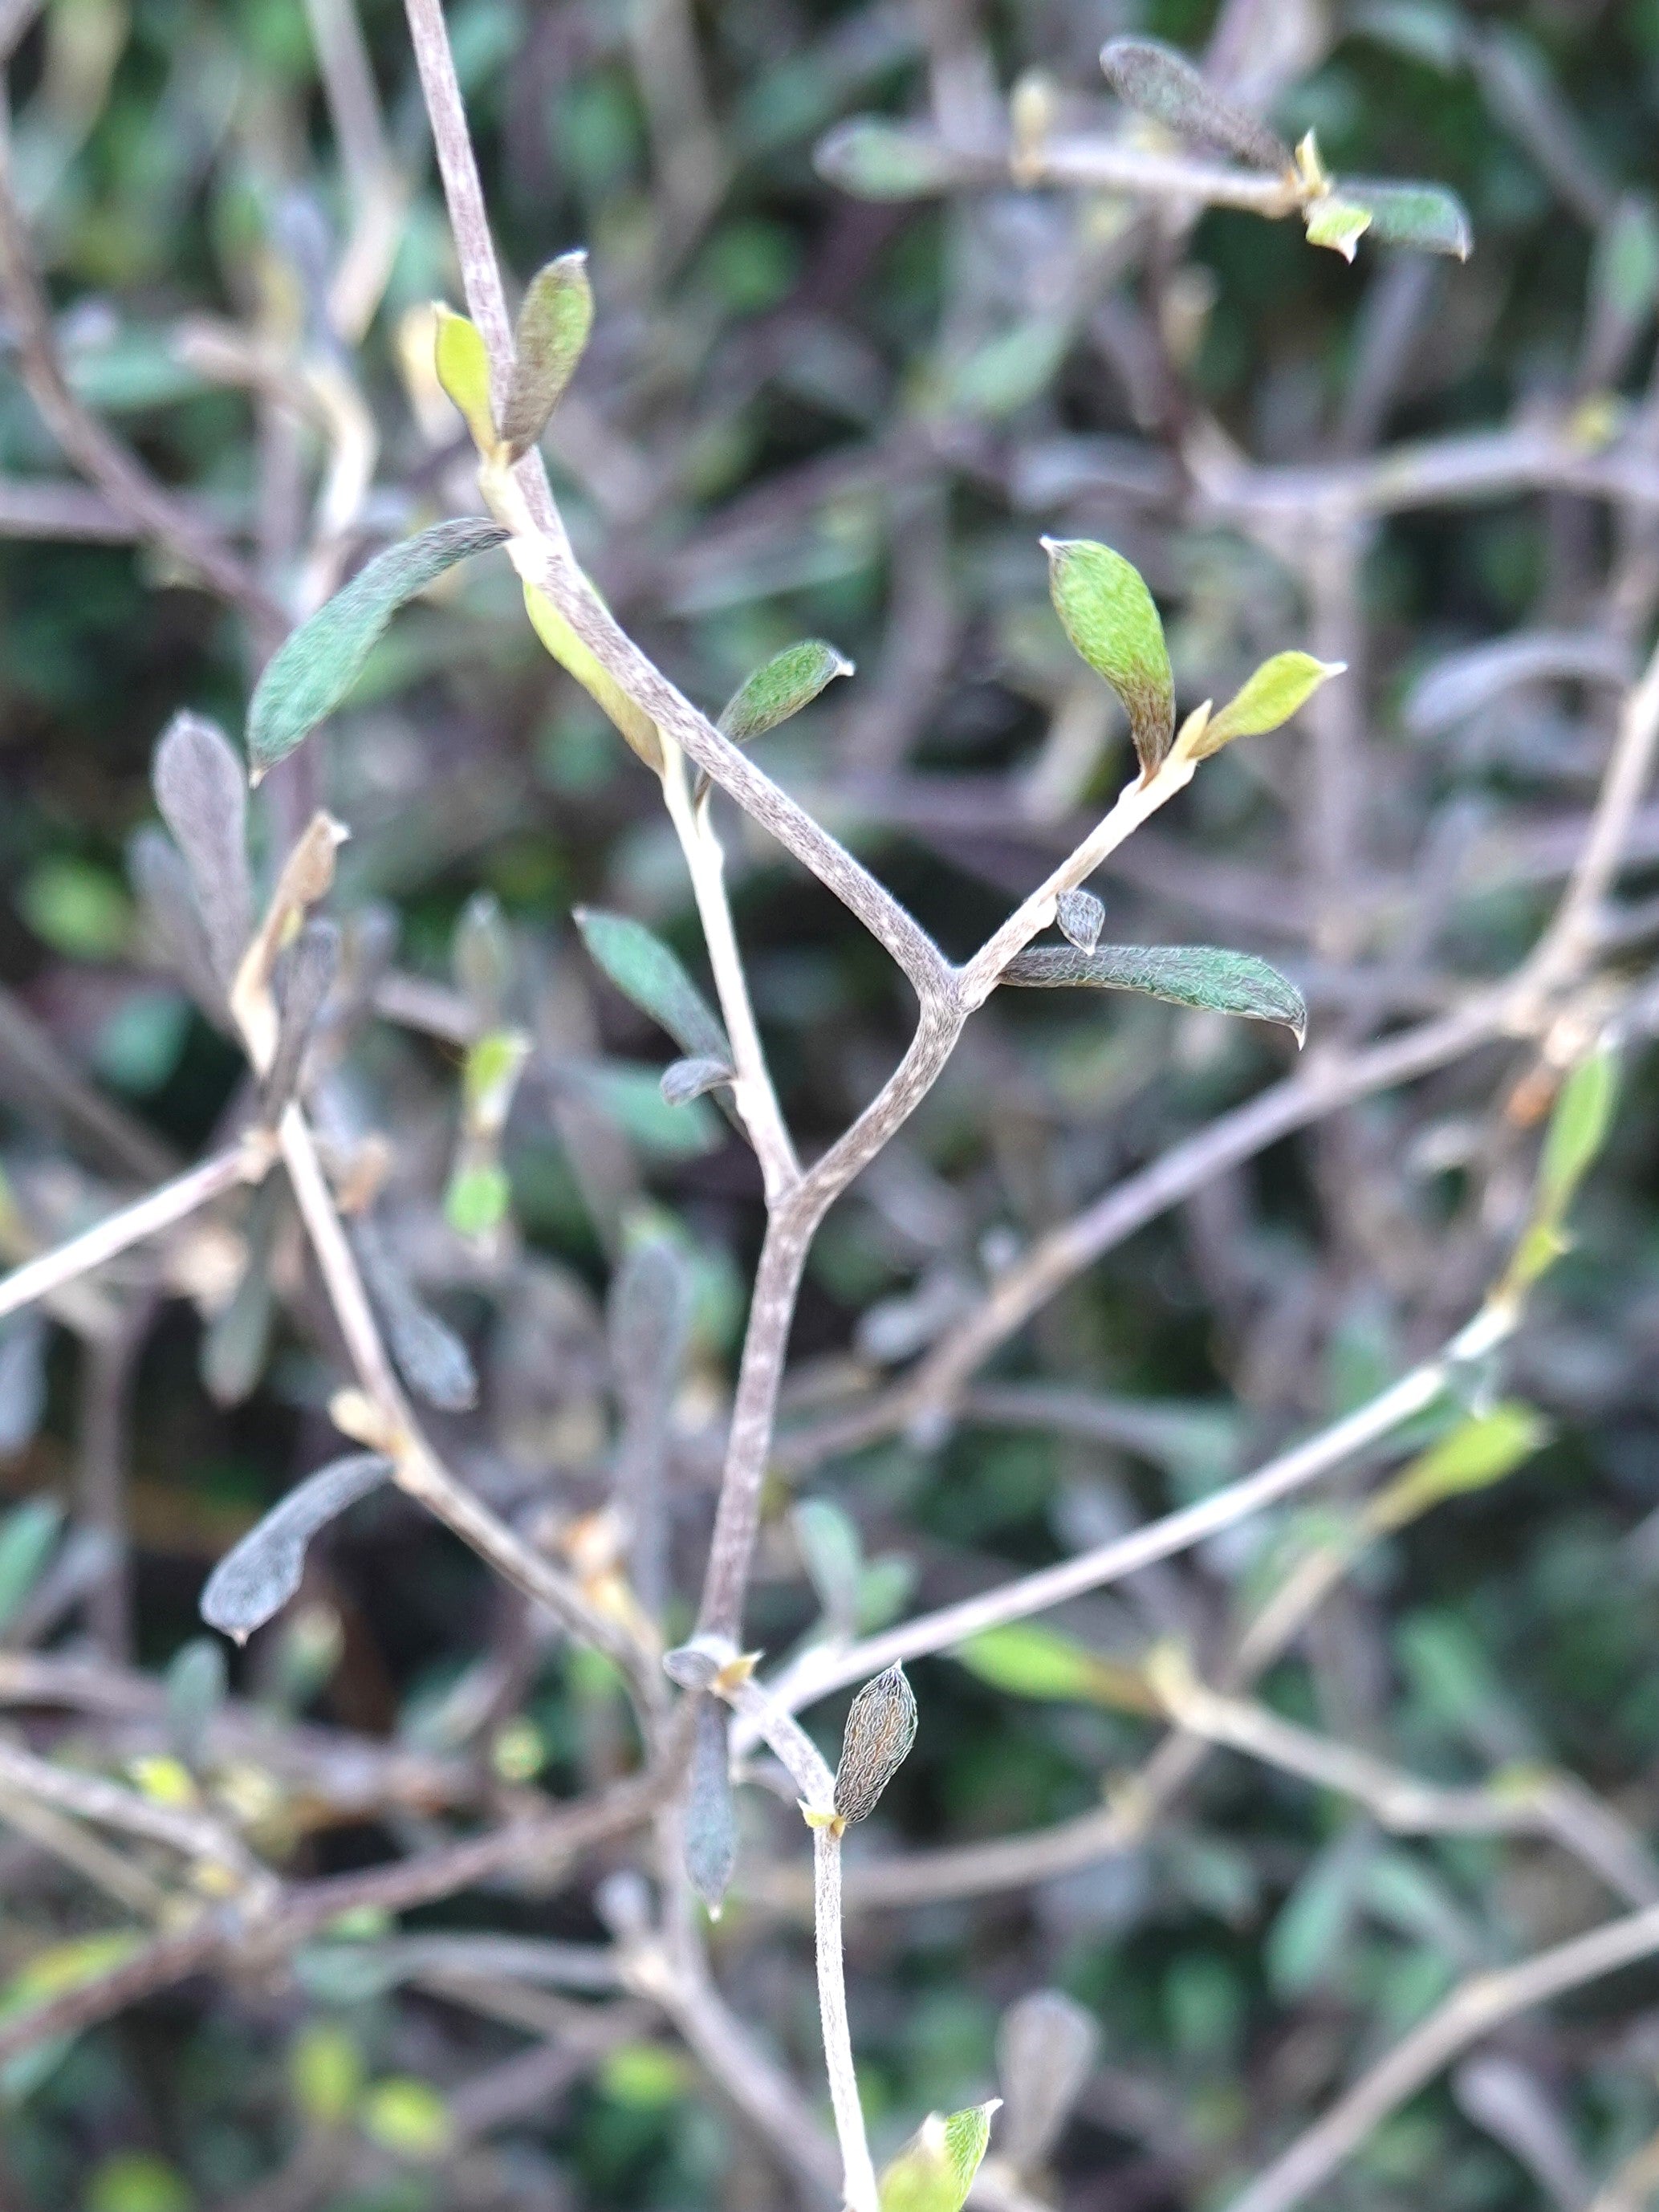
x: 552, y: 330
x: 1108, y: 613
x: 312, y: 672
x: 257, y: 1578
x: 1163, y: 83
x: 202, y: 790
x: 1186, y: 974
x: 644, y: 970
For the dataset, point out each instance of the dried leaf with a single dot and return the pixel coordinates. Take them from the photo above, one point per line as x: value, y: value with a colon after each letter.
x: 780, y: 687
x: 1108, y: 614
x: 431, y: 1358
x: 307, y: 876
x: 935, y: 2170
x: 881, y: 1727
x: 1277, y: 690
x: 711, y: 1827
x: 875, y: 159
x: 552, y: 330
x: 313, y: 671
x: 685, y: 1079
x: 1047, y: 2047
x: 1186, y: 974
x: 645, y: 971
x: 257, y: 1579
x: 1081, y: 917
x: 1162, y: 82
x: 201, y: 790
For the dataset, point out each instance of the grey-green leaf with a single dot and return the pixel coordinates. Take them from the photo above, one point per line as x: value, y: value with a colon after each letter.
x: 1081, y: 918
x: 1427, y: 216
x: 711, y: 1827
x: 28, y: 1537
x: 1187, y: 975
x: 644, y: 970
x: 875, y: 159
x: 312, y: 672
x: 431, y: 1358
x: 552, y: 331
x: 306, y: 978
x: 685, y: 1079
x: 202, y: 792
x: 780, y: 687
x: 1108, y: 613
x: 195, y: 1693
x: 257, y: 1579
x: 881, y: 1727
x: 1162, y: 82
x: 1047, y: 2046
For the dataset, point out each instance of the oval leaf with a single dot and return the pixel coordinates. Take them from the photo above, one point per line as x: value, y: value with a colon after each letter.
x: 463, y: 367
x: 1161, y: 83
x: 1186, y: 974
x: 1047, y: 2046
x: 644, y: 970
x: 312, y: 672
x: 552, y: 331
x: 201, y: 790
x: 780, y: 687
x: 1108, y: 613
x: 595, y: 678
x: 1278, y: 689
x: 935, y: 2170
x: 875, y: 159
x: 258, y: 1577
x: 881, y: 1727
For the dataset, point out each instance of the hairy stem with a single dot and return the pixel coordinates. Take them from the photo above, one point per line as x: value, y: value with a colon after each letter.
x: 859, y: 2173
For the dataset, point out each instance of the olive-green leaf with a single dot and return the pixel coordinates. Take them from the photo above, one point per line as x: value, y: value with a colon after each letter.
x: 875, y: 159
x: 644, y: 970
x: 935, y: 2170
x: 780, y: 687
x: 1338, y: 223
x: 1427, y: 216
x: 1163, y: 83
x: 1108, y: 613
x: 1269, y: 697
x: 313, y: 669
x: 1187, y: 975
x: 552, y: 330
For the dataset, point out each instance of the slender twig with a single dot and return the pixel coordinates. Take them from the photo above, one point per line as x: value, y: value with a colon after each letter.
x: 857, y: 2172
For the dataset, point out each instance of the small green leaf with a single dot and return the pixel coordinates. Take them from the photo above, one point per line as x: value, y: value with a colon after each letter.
x: 935, y: 2170
x: 1477, y: 1452
x: 595, y: 678
x: 1186, y: 974
x: 1625, y: 269
x: 1278, y: 689
x: 552, y: 330
x: 325, y: 2074
x: 875, y: 159
x: 463, y: 367
x: 1578, y: 1128
x: 312, y: 672
x: 645, y: 971
x: 1028, y: 1660
x: 1162, y: 82
x: 1427, y: 216
x: 780, y: 687
x: 28, y: 1536
x: 409, y: 2117
x: 477, y: 1198
x: 1108, y: 615
x: 1337, y: 222
x: 631, y: 1097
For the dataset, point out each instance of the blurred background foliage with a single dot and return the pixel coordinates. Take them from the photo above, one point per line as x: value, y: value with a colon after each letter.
x: 804, y: 412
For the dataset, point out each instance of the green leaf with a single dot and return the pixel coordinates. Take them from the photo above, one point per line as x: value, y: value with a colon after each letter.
x: 780, y: 687
x: 1337, y: 222
x: 1186, y: 974
x: 633, y: 1100
x: 463, y: 367
x: 477, y: 1199
x: 1278, y: 689
x: 1030, y: 1661
x: 552, y: 331
x: 28, y: 1536
x: 1578, y: 1128
x: 1625, y: 269
x: 1427, y: 216
x: 935, y: 2170
x: 409, y: 2117
x: 877, y: 159
x: 1481, y: 1451
x: 595, y: 678
x: 1108, y: 615
x: 645, y: 971
x: 313, y: 669
x: 1162, y: 82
